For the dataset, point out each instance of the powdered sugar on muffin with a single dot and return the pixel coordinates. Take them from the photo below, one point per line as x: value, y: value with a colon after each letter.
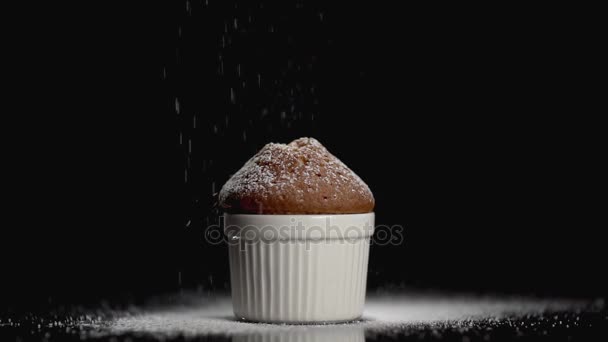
x: 301, y: 177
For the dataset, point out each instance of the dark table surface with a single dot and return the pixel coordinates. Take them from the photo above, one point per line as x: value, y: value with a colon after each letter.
x: 403, y: 316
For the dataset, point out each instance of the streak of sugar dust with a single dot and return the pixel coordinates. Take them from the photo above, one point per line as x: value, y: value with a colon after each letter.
x: 409, y: 314
x: 260, y: 102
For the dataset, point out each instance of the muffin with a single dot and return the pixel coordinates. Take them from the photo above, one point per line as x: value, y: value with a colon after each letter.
x: 299, y: 223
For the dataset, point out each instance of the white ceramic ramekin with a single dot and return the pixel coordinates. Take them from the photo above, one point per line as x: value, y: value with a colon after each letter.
x: 298, y: 268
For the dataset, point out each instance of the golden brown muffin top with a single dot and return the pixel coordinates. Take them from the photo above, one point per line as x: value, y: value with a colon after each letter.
x: 301, y: 177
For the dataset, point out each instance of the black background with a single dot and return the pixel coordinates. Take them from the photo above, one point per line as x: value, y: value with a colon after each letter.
x: 475, y: 132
